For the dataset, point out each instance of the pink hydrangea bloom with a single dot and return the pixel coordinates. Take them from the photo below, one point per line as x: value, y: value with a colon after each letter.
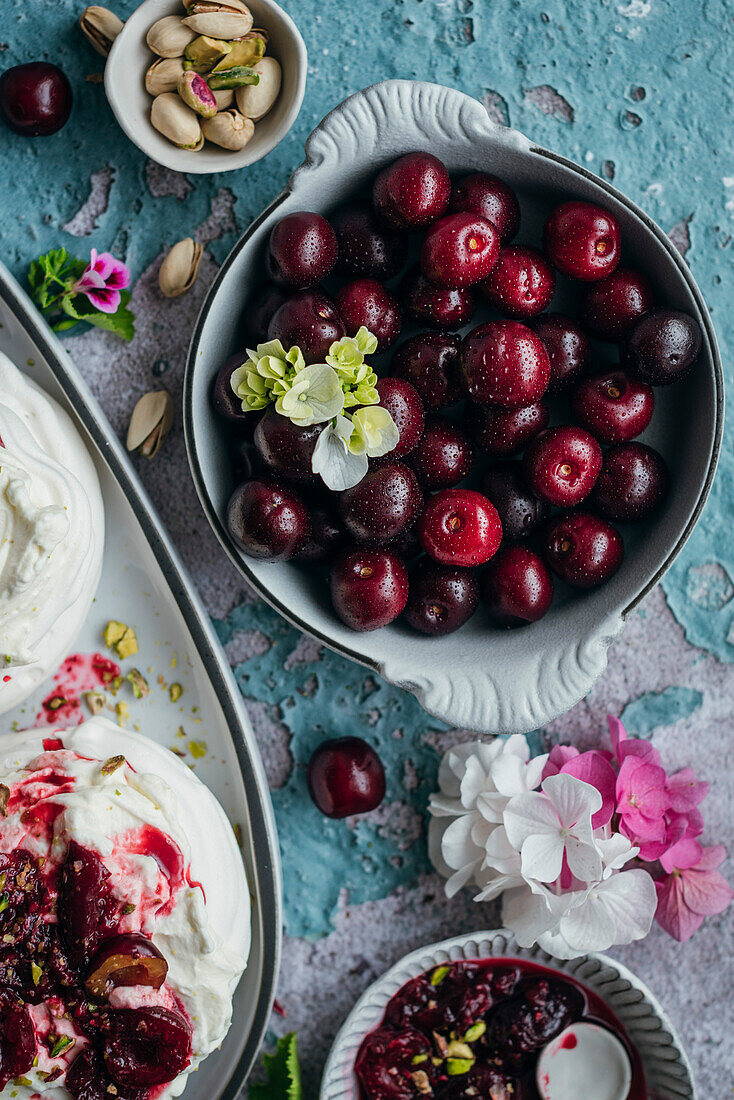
x: 692, y: 888
x: 625, y: 746
x: 592, y: 767
x: 102, y: 280
x: 642, y: 800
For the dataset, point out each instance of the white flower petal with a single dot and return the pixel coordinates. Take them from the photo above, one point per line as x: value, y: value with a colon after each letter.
x: 615, y: 852
x: 574, y: 800
x: 442, y: 806
x: 517, y: 745
x: 534, y: 771
x: 499, y: 853
x: 527, y: 815
x: 474, y: 782
x: 542, y: 857
x: 584, y: 860
x: 457, y: 847
x: 497, y: 886
x: 530, y: 915
x: 617, y: 911
x: 508, y: 775
x: 338, y: 468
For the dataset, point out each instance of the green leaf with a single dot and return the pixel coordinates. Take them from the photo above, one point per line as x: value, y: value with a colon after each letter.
x: 52, y: 274
x: 283, y: 1073
x: 78, y: 307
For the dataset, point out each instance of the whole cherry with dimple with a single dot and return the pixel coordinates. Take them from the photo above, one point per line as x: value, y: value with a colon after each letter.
x: 562, y: 464
x: 367, y: 303
x: 460, y: 527
x: 430, y: 362
x: 521, y: 283
x: 613, y: 304
x: 582, y: 240
x: 521, y: 512
x: 663, y: 346
x: 633, y: 483
x: 309, y: 320
x: 385, y: 502
x: 434, y: 305
x: 345, y: 776
x: 516, y: 587
x: 568, y: 347
x: 505, y: 432
x: 366, y: 249
x: 443, y: 456
x: 302, y: 250
x: 613, y: 406
x: 459, y: 250
x: 369, y: 588
x: 406, y: 408
x: 504, y: 363
x: 442, y: 597
x: 267, y: 520
x: 583, y: 549
x: 412, y: 192
x: 490, y: 197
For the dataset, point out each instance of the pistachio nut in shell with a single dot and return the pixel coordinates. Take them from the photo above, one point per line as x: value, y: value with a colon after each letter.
x: 101, y: 27
x: 199, y: 7
x: 255, y: 101
x: 150, y: 422
x: 224, y: 98
x: 204, y: 52
x: 180, y: 268
x: 229, y: 129
x: 220, y: 24
x: 233, y: 78
x: 177, y: 122
x: 196, y: 94
x: 163, y: 75
x: 169, y: 37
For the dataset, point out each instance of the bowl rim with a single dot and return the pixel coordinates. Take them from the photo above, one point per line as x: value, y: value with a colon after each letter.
x: 236, y: 159
x: 215, y: 521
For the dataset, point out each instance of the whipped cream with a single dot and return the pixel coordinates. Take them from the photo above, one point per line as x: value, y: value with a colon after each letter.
x: 196, y: 909
x: 51, y: 534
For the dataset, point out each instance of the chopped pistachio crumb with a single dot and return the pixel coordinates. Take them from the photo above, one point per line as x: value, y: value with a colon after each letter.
x: 56, y: 702
x: 456, y: 1066
x: 36, y: 973
x: 121, y: 638
x: 439, y: 974
x: 4, y: 798
x: 128, y: 909
x: 418, y: 1059
x: 197, y: 749
x: 25, y: 1081
x: 475, y: 1032
x: 4, y: 903
x: 110, y: 766
x: 123, y: 713
x: 113, y: 632
x: 62, y: 1043
x: 95, y: 701
x: 139, y: 683
x: 175, y: 691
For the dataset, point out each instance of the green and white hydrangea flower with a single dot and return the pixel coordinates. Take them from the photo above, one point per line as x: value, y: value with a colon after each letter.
x: 314, y: 396
x: 267, y: 374
x: 342, y: 450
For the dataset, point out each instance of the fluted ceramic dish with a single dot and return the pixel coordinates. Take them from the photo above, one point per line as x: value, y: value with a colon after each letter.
x: 667, y: 1069
x: 478, y: 678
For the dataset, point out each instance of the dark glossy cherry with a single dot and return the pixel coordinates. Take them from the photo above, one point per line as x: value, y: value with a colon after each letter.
x: 582, y: 240
x: 345, y: 776
x: 522, y: 282
x: 521, y: 1026
x: 445, y: 1002
x: 612, y: 405
x: 459, y: 250
x: 145, y: 1047
x: 430, y: 362
x: 129, y: 959
x: 521, y: 512
x: 583, y: 549
x: 35, y: 98
x: 406, y: 544
x: 88, y: 1079
x: 487, y: 1080
x: 26, y: 895
x: 225, y: 401
x: 443, y: 457
x: 505, y: 432
x: 326, y: 536
x: 310, y: 321
x: 284, y: 448
x: 88, y: 912
x: 562, y: 465
x: 412, y: 192
x: 246, y: 461
x: 663, y: 346
x: 385, y: 1065
x: 382, y: 504
x: 434, y: 306
x: 460, y: 527
x: 442, y: 597
x: 302, y: 250
x: 490, y: 197
x: 369, y: 588
x: 613, y: 304
x: 568, y: 349
x: 267, y: 520
x: 516, y: 587
x: 366, y: 248
x: 633, y: 483
x: 365, y: 302
x: 504, y: 363
x: 17, y: 1038
x: 260, y: 310
x: 406, y: 408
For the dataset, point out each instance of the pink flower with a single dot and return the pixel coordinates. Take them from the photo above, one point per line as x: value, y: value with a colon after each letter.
x: 625, y: 746
x: 685, y: 791
x: 692, y: 888
x: 591, y: 767
x: 102, y: 280
x: 642, y: 800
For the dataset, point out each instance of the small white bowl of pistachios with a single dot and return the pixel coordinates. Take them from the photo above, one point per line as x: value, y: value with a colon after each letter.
x: 206, y: 86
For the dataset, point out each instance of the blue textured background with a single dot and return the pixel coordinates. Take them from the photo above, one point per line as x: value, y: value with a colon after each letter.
x: 639, y: 91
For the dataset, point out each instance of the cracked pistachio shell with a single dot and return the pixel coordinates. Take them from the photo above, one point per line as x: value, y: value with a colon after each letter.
x: 198, y: 7
x: 220, y: 23
x: 180, y: 268
x: 229, y: 129
x: 172, y: 118
x: 169, y: 37
x: 255, y: 100
x: 101, y: 27
x: 224, y: 98
x: 150, y: 422
x: 163, y: 75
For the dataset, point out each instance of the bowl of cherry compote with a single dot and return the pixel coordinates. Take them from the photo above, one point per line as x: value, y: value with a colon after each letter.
x: 552, y: 379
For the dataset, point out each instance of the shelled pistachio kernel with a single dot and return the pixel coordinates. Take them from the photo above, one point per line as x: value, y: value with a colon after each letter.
x: 95, y: 701
x: 175, y: 692
x: 139, y: 683
x: 439, y: 974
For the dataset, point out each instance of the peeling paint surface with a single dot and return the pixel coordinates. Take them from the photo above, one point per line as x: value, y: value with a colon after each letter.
x: 640, y: 92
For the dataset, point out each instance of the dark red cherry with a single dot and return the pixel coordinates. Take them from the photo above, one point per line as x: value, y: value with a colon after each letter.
x: 432, y: 305
x: 145, y: 1047
x: 87, y: 910
x: 504, y: 432
x: 490, y: 197
x: 267, y: 520
x: 663, y: 346
x: 582, y: 240
x: 412, y: 192
x: 443, y: 457
x: 442, y: 597
x: 310, y: 321
x: 302, y: 250
x: 504, y: 363
x: 382, y: 504
x: 326, y: 536
x: 369, y: 588
x: 406, y: 544
x: 284, y: 448
x: 245, y: 459
x: 583, y: 549
x: 224, y: 400
x: 35, y: 98
x: 460, y: 527
x: 516, y: 587
x: 385, y: 1063
x: 521, y: 512
x: 365, y: 302
x: 406, y: 408
x: 612, y: 405
x: 522, y: 282
x: 260, y: 310
x: 523, y: 1024
x: 633, y: 483
x: 568, y: 349
x: 459, y: 250
x: 87, y: 1079
x: 366, y: 248
x: 562, y: 465
x: 129, y: 959
x: 430, y: 362
x: 17, y: 1037
x: 345, y: 776
x: 613, y: 304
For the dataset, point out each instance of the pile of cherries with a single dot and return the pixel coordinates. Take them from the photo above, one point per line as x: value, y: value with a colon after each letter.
x: 74, y: 962
x: 412, y: 504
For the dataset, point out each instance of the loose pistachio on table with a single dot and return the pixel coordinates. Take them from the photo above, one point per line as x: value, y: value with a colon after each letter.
x: 163, y: 75
x: 169, y: 37
x: 180, y: 268
x: 150, y: 423
x: 101, y: 27
x: 255, y: 101
x: 172, y: 118
x: 229, y: 129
